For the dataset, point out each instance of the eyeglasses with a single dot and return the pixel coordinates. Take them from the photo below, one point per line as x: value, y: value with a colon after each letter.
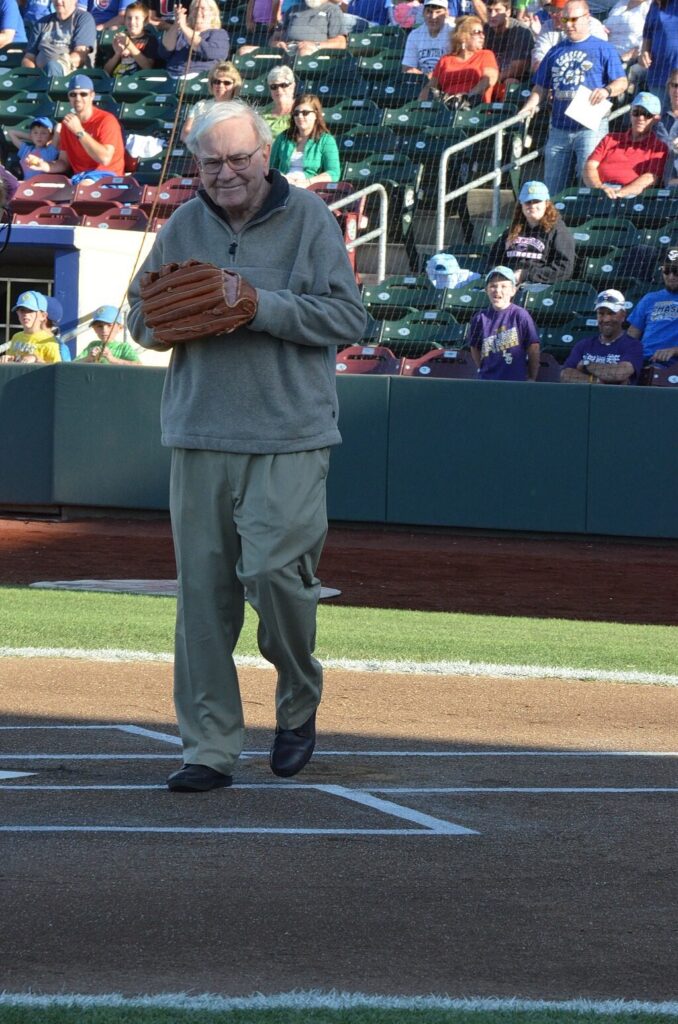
x: 673, y: 85
x: 571, y: 21
x: 240, y: 162
x: 222, y: 81
x: 670, y: 270
x: 303, y: 113
x: 77, y: 92
x: 639, y: 112
x: 477, y: 32
x: 282, y: 85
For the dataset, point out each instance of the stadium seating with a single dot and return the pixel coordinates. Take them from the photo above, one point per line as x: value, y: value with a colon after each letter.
x: 599, y: 234
x: 168, y: 196
x: 557, y: 303
x: 464, y: 301
x: 367, y: 359
x: 14, y: 110
x: 15, y: 81
x: 94, y: 197
x: 352, y: 113
x: 42, y: 189
x: 661, y: 376
x: 395, y: 297
x: 453, y: 364
x: 123, y: 218
x: 103, y: 84
x: 48, y: 216
x: 549, y: 368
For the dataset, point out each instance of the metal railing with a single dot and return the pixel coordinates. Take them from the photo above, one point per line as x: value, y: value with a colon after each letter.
x: 378, y: 233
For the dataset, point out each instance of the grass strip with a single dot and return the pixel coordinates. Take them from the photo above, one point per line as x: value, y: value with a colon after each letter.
x: 89, y: 621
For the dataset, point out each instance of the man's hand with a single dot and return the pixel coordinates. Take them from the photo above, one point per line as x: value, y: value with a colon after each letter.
x: 598, y: 96
x: 611, y: 193
x: 73, y: 123
x: 663, y: 355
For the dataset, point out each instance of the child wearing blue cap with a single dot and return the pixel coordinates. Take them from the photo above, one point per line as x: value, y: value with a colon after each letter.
x: 503, y: 338
x: 33, y: 343
x: 35, y: 145
x: 107, y: 324
x: 538, y: 246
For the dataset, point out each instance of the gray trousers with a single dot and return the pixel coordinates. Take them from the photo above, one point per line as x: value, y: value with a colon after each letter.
x: 244, y: 526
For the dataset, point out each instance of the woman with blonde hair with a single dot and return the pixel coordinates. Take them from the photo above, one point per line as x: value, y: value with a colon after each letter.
x: 198, y: 27
x: 282, y: 87
x: 305, y: 152
x: 224, y: 82
x: 468, y: 69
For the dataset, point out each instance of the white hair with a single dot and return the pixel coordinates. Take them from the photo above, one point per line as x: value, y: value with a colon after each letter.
x: 223, y: 112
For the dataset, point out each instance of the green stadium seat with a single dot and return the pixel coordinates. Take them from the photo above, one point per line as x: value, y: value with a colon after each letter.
x: 454, y: 364
x: 557, y: 303
x: 399, y: 297
x: 464, y: 301
x: 395, y: 91
x: 148, y: 111
x: 365, y: 141
x: 259, y: 62
x: 419, y: 115
x: 325, y: 66
x: 600, y: 234
x: 577, y: 205
x: 16, y: 81
x: 256, y: 89
x: 147, y: 82
x: 651, y: 209
x: 376, y: 39
x: 485, y: 115
x: 106, y: 102
x: 661, y: 238
x: 193, y: 90
x: 14, y: 110
x: 352, y: 113
x: 103, y: 84
x: 558, y: 339
x: 334, y: 90
x: 11, y: 56
x: 423, y: 331
x: 380, y: 67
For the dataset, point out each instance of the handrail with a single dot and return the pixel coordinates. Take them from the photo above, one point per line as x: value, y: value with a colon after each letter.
x: 379, y: 232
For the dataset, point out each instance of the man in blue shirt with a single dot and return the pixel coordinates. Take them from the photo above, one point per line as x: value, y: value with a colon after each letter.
x: 580, y: 60
x: 11, y: 24
x: 655, y: 318
x: 63, y: 41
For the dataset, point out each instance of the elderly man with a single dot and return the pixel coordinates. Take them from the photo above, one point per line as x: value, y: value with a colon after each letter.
x: 63, y: 41
x: 609, y: 357
x: 250, y: 416
x: 626, y: 163
x: 580, y: 60
x: 313, y: 25
x: 655, y: 318
x: 429, y: 42
x: 91, y: 139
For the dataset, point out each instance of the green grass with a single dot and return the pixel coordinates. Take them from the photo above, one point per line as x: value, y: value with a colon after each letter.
x: 44, y: 618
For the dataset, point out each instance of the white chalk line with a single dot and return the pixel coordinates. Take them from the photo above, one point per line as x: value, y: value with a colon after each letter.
x: 13, y: 756
x: 334, y: 1000
x: 438, y: 668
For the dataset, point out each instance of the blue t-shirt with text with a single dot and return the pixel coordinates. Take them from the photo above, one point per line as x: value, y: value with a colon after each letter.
x: 591, y: 62
x: 656, y: 316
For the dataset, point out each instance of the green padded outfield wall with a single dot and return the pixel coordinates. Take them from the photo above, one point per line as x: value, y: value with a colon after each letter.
x: 26, y: 435
x: 356, y: 486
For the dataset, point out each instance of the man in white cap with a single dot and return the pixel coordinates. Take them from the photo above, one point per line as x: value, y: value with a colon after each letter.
x: 609, y: 357
x: 431, y: 41
x: 626, y: 163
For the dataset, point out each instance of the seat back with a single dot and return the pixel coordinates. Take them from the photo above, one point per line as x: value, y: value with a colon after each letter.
x: 48, y: 216
x: 93, y: 197
x: 123, y: 218
x: 454, y: 364
x: 41, y: 189
x: 367, y: 359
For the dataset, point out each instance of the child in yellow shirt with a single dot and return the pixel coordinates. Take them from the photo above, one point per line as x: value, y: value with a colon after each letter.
x: 33, y: 344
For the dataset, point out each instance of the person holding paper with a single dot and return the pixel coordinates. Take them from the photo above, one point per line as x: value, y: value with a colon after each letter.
x: 580, y: 61
x: 626, y: 163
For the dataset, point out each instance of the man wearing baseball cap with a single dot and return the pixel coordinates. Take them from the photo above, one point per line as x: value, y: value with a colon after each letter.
x: 503, y: 339
x: 635, y: 159
x: 91, y: 139
x: 63, y: 41
x: 429, y: 42
x: 107, y: 324
x: 611, y: 356
x: 33, y: 343
x: 655, y: 318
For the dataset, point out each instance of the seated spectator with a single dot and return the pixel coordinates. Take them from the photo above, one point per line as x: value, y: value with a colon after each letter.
x: 626, y: 163
x: 538, y: 246
x: 261, y: 18
x: 625, y: 24
x: 33, y: 343
x: 199, y: 27
x: 503, y: 339
x: 91, y: 145
x: 610, y: 356
x: 136, y: 48
x: 510, y: 42
x: 12, y: 29
x: 313, y: 25
x: 109, y: 349
x: 359, y: 15
x: 34, y: 145
x: 224, y: 83
x: 552, y: 32
x: 655, y: 318
x: 468, y: 69
x: 281, y: 86
x: 667, y: 129
x: 63, y: 41
x: 305, y: 152
x: 428, y: 43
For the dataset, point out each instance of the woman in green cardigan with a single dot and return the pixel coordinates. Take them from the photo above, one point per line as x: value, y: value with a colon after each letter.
x: 305, y: 152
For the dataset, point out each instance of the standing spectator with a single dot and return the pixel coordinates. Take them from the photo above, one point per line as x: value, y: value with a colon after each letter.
x: 580, y: 60
x: 313, y: 25
x: 510, y: 42
x: 305, y: 152
x: 281, y: 85
x: 12, y: 28
x: 34, y: 145
x: 610, y: 356
x: 261, y: 18
x: 552, y: 32
x: 33, y: 343
x: 63, y: 41
x: 429, y: 42
x: 625, y: 24
x: 469, y: 69
x: 538, y: 246
x: 250, y: 418
x: 667, y: 129
x: 659, y: 52
x: 91, y: 139
x: 359, y: 15
x: 224, y: 83
x: 109, y: 349
x: 655, y: 318
x: 503, y: 339
x: 626, y: 163
x: 136, y: 48
x: 198, y: 27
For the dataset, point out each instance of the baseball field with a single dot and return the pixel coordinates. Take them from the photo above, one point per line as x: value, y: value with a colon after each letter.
x: 485, y: 834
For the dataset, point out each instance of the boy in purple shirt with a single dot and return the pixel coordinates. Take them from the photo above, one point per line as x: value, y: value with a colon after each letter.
x: 503, y: 339
x: 611, y: 357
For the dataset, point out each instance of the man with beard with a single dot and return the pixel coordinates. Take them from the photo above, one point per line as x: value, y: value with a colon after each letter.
x: 314, y: 26
x: 611, y: 356
x: 655, y: 318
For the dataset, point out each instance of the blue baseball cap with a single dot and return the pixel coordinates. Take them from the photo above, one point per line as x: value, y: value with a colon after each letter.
x: 648, y: 102
x: 35, y: 301
x: 81, y: 82
x: 55, y: 311
x: 107, y: 315
x: 534, y: 192
x: 42, y: 122
x: 501, y: 272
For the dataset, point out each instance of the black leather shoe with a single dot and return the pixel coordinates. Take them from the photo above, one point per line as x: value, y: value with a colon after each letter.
x: 292, y: 748
x: 197, y: 778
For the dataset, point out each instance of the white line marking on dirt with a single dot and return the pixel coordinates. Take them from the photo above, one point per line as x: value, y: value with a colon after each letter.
x: 439, y: 668
x: 151, y: 734
x: 11, y: 756
x: 15, y: 775
x: 226, y: 831
x: 437, y: 825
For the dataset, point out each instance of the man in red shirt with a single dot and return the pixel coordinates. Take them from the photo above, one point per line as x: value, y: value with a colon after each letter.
x: 91, y: 139
x: 633, y: 160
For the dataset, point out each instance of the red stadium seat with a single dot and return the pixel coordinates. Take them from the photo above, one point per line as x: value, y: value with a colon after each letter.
x: 166, y: 197
x: 452, y: 363
x: 94, y: 197
x: 661, y: 376
x: 123, y: 218
x: 549, y: 368
x: 43, y: 188
x: 46, y: 215
x: 367, y: 359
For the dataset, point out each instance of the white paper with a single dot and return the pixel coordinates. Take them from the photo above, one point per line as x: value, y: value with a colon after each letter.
x: 588, y: 114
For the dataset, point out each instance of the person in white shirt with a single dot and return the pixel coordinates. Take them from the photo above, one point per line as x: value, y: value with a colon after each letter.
x: 625, y: 26
x: 428, y: 43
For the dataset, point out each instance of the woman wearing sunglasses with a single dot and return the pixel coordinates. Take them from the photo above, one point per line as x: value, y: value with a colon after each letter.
x: 281, y: 85
x: 305, y: 152
x: 224, y: 82
x: 468, y: 69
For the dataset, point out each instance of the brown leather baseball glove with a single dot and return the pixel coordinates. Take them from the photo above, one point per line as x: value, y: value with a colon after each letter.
x: 192, y: 300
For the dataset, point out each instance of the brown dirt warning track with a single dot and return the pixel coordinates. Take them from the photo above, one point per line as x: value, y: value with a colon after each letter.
x: 466, y: 836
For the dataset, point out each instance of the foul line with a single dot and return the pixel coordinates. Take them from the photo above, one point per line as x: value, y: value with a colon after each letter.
x: 437, y: 668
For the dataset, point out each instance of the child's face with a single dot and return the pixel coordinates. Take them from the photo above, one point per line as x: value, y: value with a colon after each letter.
x: 500, y: 292
x: 31, y: 320
x: 134, y: 23
x: 40, y: 136
x: 106, y: 332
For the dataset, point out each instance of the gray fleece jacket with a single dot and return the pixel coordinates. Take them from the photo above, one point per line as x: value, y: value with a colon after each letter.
x: 268, y: 387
